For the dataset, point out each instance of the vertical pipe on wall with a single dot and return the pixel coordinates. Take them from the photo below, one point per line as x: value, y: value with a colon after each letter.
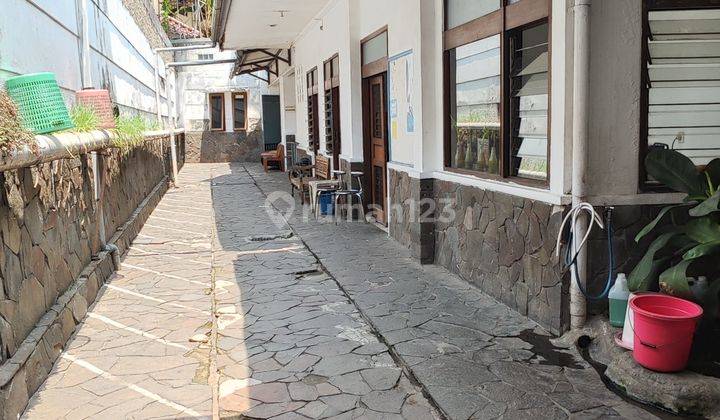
x: 581, y: 85
x: 85, y: 43
x: 96, y: 158
x: 158, y: 60
x: 99, y: 184
x: 171, y: 123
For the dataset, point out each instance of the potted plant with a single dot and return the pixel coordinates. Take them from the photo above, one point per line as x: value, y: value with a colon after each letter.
x: 687, y: 247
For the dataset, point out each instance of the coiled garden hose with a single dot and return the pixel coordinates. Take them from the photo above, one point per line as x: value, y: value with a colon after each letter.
x: 573, y: 248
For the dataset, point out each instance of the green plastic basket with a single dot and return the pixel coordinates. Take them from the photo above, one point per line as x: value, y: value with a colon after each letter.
x: 39, y: 102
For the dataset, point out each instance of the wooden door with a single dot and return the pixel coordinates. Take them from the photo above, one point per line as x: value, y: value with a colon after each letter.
x: 377, y: 120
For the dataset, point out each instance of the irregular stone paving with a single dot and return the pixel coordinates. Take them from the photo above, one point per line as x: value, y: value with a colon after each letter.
x: 222, y: 311
x: 475, y: 357
x: 219, y: 312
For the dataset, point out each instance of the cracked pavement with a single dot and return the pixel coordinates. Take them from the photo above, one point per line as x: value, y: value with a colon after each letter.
x: 219, y: 310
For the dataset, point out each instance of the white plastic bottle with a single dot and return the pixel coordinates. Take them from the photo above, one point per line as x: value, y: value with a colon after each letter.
x: 618, y: 300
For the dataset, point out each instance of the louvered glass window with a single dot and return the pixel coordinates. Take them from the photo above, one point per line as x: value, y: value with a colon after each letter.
x: 682, y: 77
x: 529, y: 102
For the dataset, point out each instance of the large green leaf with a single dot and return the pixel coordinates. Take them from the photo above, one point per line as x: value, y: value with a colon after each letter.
x: 673, y: 281
x: 703, y: 230
x: 650, y: 226
x: 702, y: 250
x: 675, y: 170
x: 706, y: 207
x: 645, y: 271
x: 713, y: 170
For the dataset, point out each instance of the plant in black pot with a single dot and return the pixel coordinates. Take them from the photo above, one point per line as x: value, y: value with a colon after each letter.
x: 688, y: 247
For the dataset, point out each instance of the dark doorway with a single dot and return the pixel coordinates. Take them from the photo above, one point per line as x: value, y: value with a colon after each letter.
x: 271, y: 120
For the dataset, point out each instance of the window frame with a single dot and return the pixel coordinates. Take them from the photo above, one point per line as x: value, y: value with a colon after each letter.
x: 655, y: 5
x: 505, y: 21
x: 334, y: 79
x: 222, y: 110
x: 244, y: 95
x: 331, y: 81
x: 381, y: 64
x: 311, y: 81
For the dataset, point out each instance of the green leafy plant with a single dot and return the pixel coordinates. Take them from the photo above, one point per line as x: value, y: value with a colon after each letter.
x: 84, y: 118
x: 166, y: 9
x: 689, y: 245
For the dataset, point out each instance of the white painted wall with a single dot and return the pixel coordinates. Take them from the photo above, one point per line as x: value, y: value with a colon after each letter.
x: 195, y: 83
x: 44, y: 35
x: 415, y: 25
x: 288, y: 111
x: 324, y: 37
x: 418, y: 25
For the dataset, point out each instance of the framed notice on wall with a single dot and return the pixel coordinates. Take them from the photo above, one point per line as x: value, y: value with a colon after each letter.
x: 400, y: 105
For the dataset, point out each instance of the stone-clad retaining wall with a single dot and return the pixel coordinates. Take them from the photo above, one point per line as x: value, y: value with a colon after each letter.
x: 502, y: 244
x: 220, y: 146
x: 51, y: 259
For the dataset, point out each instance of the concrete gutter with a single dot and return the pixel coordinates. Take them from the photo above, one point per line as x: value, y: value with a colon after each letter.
x: 66, y: 146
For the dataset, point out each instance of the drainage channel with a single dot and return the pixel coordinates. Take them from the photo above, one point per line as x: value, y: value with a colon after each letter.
x: 268, y: 238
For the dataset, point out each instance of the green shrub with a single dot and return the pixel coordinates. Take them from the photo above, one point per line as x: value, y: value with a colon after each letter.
x: 130, y: 131
x: 84, y: 118
x: 689, y: 246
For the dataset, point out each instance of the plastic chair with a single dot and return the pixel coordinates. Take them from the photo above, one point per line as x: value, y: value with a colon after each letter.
x: 349, y: 193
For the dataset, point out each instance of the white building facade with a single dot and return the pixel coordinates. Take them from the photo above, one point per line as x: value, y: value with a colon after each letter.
x: 222, y: 114
x: 469, y: 107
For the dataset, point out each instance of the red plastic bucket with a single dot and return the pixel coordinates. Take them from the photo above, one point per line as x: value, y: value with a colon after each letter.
x: 663, y: 328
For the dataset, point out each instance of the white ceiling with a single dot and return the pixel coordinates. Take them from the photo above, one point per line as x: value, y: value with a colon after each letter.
x: 249, y: 22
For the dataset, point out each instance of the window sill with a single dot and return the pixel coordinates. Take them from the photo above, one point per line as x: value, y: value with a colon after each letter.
x: 508, y: 186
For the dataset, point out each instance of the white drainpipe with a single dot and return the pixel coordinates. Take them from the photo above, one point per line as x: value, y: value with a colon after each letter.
x: 581, y: 85
x: 171, y: 121
x: 96, y: 158
x: 85, y: 35
x: 158, y: 60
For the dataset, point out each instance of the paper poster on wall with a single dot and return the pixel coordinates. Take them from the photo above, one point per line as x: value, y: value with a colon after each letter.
x: 400, y: 97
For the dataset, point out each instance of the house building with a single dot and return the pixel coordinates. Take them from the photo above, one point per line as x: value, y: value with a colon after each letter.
x: 226, y: 118
x: 493, y: 117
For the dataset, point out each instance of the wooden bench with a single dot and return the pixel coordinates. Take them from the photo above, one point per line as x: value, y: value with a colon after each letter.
x: 274, y: 156
x: 301, y: 175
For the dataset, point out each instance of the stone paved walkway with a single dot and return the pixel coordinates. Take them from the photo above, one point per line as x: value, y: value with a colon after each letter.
x: 220, y: 310
x: 285, y: 342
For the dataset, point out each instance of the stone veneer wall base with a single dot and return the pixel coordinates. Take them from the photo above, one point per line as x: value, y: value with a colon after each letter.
x: 25, y: 371
x: 500, y: 243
